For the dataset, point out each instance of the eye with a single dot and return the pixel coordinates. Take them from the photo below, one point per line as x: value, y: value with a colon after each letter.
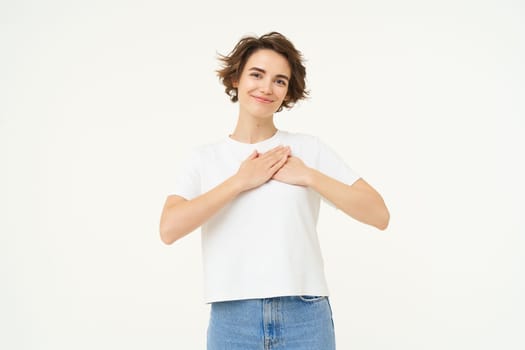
x: 255, y: 74
x: 281, y: 82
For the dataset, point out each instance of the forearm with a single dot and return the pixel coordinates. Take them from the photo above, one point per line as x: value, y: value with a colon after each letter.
x: 359, y: 201
x: 180, y: 218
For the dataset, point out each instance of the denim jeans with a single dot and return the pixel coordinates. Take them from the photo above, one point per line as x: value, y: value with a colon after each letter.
x: 281, y: 323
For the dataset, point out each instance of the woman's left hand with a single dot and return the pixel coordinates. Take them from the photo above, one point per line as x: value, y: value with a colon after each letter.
x: 359, y: 200
x: 293, y: 172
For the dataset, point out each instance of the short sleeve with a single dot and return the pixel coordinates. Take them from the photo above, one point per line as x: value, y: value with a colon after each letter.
x: 329, y: 163
x: 187, y: 183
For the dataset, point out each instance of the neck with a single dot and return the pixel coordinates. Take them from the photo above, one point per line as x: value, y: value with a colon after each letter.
x: 253, y: 131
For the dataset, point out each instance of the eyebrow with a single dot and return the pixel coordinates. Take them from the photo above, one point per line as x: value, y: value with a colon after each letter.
x: 263, y: 71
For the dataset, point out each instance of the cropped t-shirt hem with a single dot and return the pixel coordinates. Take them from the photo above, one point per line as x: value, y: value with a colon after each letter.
x: 265, y: 296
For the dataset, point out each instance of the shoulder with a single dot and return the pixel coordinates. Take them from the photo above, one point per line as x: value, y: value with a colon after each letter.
x: 200, y: 155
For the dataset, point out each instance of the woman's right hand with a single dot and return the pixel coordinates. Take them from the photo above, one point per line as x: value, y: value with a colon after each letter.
x: 258, y: 168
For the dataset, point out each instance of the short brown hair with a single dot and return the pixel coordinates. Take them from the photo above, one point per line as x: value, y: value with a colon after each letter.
x: 233, y: 64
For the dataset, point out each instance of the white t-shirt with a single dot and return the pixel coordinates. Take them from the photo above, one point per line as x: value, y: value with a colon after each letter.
x: 263, y: 243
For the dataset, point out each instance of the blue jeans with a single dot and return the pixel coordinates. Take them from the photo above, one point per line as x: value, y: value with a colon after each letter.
x: 281, y: 323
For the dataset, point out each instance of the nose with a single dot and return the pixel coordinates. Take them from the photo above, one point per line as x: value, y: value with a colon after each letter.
x: 266, y: 86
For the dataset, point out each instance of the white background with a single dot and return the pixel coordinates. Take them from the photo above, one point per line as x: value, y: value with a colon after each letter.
x: 101, y: 100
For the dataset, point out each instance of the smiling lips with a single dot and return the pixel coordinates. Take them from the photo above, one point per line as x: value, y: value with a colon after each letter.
x: 262, y: 99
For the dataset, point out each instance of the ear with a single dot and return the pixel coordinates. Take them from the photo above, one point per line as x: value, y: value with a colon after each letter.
x: 235, y: 83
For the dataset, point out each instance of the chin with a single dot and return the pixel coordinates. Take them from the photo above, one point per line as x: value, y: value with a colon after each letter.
x: 263, y: 113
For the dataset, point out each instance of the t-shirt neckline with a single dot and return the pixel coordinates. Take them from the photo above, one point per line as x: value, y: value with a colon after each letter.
x: 260, y: 144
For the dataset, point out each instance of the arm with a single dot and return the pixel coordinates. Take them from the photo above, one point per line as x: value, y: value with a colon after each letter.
x: 359, y: 200
x: 181, y: 216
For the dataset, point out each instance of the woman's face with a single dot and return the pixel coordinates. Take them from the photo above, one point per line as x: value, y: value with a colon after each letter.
x: 263, y: 84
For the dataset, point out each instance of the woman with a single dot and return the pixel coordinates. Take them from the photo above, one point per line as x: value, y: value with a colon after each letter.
x: 256, y: 194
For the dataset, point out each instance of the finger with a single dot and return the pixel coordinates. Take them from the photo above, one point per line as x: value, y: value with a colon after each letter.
x: 279, y: 159
x: 275, y: 155
x: 279, y: 164
x: 273, y: 159
x: 253, y: 155
x: 269, y: 154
